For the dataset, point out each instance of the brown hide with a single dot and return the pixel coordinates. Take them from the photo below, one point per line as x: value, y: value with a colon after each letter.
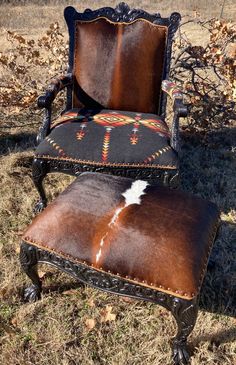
x: 164, y: 242
x: 119, y: 65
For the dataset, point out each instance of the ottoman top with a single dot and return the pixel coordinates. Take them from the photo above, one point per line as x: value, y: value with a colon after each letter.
x: 149, y: 235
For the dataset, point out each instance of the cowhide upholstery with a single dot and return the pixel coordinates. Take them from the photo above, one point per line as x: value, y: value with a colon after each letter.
x: 163, y: 243
x: 118, y: 65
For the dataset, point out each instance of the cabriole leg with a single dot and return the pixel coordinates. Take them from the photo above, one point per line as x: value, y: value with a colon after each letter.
x: 39, y: 171
x: 171, y: 179
x: 185, y: 313
x: 28, y: 260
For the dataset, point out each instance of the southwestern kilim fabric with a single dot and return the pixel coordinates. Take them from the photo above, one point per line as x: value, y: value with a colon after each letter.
x: 109, y: 137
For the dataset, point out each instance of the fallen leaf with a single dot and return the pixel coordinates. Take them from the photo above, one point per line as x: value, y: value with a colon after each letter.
x: 41, y: 273
x: 107, y: 315
x: 17, y: 249
x: 14, y: 321
x: 19, y: 233
x: 70, y: 292
x: 6, y: 327
x: 90, y: 323
x: 3, y: 291
x: 127, y: 299
x: 91, y: 303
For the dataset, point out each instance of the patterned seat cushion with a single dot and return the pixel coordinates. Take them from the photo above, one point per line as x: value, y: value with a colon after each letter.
x: 108, y: 137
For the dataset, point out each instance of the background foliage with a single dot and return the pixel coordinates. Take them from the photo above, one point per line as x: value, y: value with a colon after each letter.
x: 206, y: 74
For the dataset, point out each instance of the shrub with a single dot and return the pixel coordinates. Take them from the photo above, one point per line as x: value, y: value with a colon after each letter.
x: 206, y: 74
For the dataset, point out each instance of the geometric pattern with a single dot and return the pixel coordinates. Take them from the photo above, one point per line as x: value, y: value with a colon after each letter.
x: 110, y: 137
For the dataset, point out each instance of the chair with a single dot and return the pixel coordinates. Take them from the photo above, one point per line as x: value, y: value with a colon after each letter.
x: 117, y: 83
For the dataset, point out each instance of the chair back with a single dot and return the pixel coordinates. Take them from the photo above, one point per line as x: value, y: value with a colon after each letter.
x: 119, y: 57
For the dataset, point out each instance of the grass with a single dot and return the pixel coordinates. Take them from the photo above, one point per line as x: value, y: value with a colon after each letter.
x: 38, y: 14
x: 55, y: 330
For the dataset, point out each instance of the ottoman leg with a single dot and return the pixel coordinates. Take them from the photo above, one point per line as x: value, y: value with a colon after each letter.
x: 185, y: 313
x: 28, y: 260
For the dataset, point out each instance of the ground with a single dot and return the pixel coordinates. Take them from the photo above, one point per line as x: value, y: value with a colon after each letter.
x: 78, y: 325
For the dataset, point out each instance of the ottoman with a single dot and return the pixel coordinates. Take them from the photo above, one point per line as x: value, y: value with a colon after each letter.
x: 127, y: 238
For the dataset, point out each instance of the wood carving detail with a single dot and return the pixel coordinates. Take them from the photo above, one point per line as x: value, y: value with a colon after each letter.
x: 184, y: 311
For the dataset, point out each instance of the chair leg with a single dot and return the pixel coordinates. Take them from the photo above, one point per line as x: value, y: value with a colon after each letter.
x: 185, y: 313
x: 28, y: 260
x: 171, y: 180
x: 39, y: 171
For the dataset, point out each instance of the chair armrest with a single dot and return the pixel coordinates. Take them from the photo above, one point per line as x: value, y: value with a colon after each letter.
x: 176, y: 95
x: 179, y: 109
x: 45, y: 101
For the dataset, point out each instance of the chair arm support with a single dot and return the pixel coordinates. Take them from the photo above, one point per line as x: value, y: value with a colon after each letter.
x: 45, y: 101
x: 179, y: 109
x: 177, y: 96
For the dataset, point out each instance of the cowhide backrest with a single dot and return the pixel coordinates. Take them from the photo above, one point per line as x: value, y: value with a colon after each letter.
x: 119, y: 58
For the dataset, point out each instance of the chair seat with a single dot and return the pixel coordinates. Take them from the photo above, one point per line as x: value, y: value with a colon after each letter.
x: 108, y: 137
x: 161, y: 240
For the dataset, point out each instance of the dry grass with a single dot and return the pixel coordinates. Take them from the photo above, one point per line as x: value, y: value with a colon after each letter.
x: 37, y: 13
x: 54, y: 330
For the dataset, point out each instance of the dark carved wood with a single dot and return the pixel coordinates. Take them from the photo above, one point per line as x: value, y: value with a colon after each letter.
x: 45, y: 127
x: 180, y: 110
x: 45, y: 101
x: 184, y: 311
x: 29, y: 260
x: 152, y: 175
x: 174, y: 24
x: 43, y: 166
x: 39, y: 171
x: 175, y: 133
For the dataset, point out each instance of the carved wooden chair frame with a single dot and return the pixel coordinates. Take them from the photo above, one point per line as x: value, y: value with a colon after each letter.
x: 122, y: 13
x: 184, y: 311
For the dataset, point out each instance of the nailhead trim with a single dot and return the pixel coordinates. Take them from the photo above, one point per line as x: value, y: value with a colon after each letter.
x: 179, y: 293
x: 48, y: 157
